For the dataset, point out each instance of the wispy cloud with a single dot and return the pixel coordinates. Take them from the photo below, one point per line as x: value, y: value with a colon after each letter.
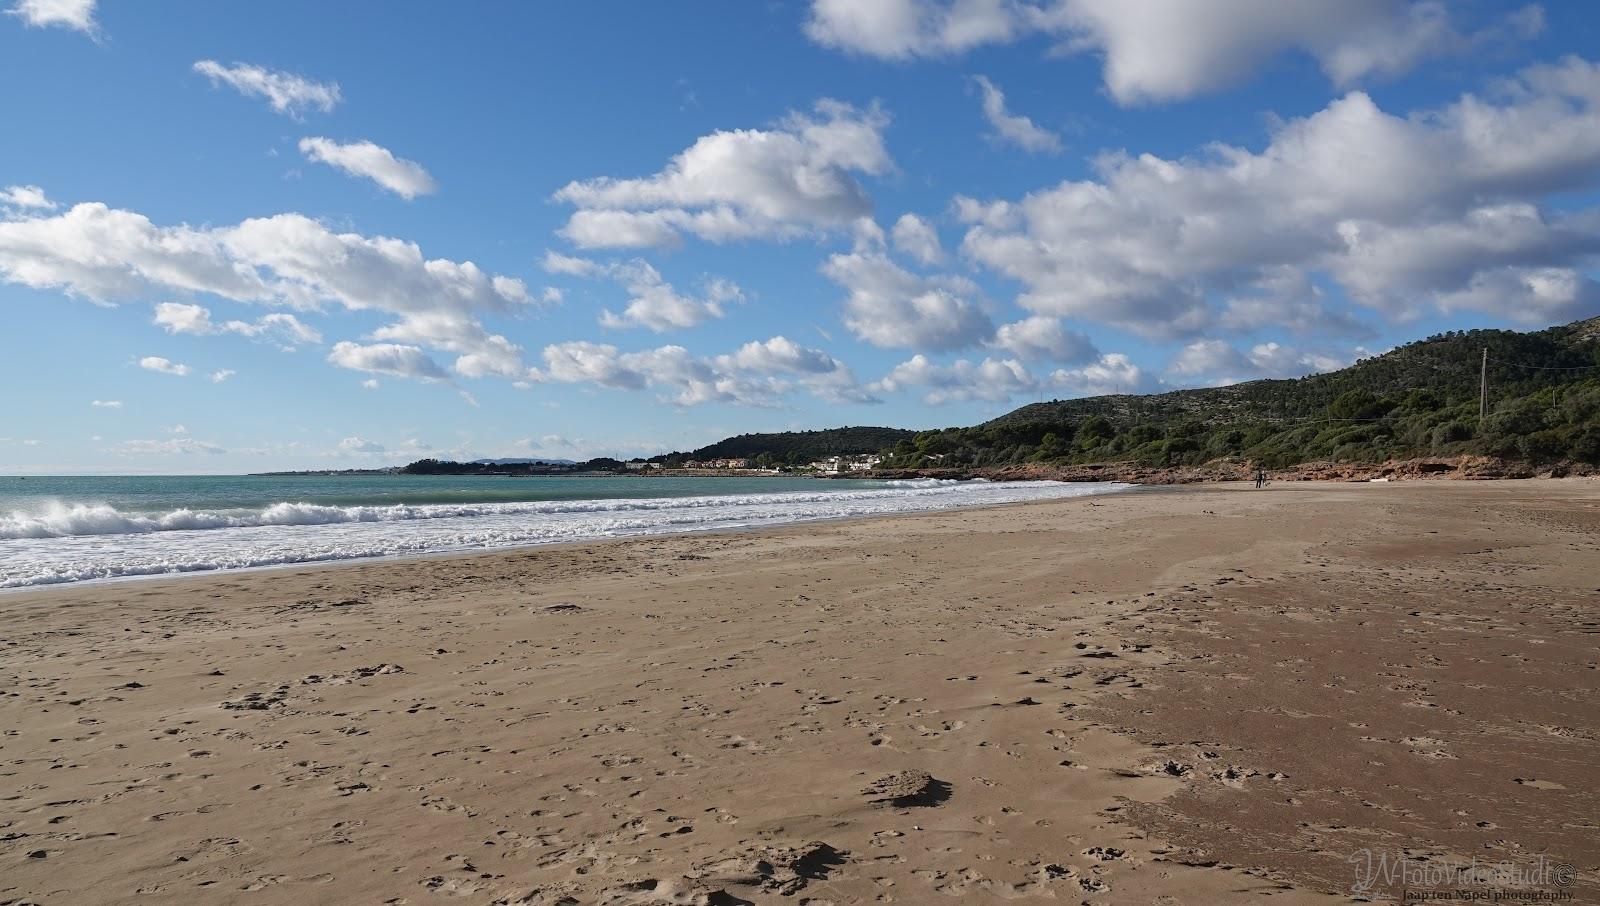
x: 405, y: 178
x: 1013, y: 128
x: 284, y: 328
x: 287, y: 93
x: 175, y: 445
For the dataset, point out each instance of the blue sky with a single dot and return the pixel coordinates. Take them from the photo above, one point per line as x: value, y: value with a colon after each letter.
x: 311, y: 235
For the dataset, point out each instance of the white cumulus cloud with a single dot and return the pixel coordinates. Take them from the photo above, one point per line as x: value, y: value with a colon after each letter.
x: 570, y: 265
x: 1442, y: 208
x: 916, y: 237
x: 890, y: 307
x: 73, y: 14
x: 1530, y: 295
x: 392, y: 359
x: 655, y: 305
x: 795, y: 179
x: 1214, y: 362
x: 757, y: 374
x: 1113, y: 372
x: 1044, y: 339
x: 478, y: 352
x: 823, y: 375
x: 288, y: 260
x: 994, y: 380
x: 26, y: 197
x: 1157, y: 50
x: 164, y: 366
x: 901, y: 29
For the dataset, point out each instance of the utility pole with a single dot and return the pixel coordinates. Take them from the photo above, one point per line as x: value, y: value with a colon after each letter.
x: 1483, y: 388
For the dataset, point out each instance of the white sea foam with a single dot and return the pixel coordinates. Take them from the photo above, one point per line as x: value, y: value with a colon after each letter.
x: 59, y: 543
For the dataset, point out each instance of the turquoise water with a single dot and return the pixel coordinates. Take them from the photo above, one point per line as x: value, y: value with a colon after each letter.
x: 77, y: 529
x: 152, y: 494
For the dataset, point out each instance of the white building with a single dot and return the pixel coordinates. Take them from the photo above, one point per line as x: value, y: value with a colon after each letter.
x: 837, y: 465
x: 864, y: 463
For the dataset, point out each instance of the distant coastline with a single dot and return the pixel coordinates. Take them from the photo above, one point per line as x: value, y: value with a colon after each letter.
x: 1464, y: 404
x: 569, y: 473
x: 672, y: 465
x: 501, y: 467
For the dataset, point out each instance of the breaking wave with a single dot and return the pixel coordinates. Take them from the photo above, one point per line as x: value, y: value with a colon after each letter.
x: 70, y: 542
x: 56, y: 520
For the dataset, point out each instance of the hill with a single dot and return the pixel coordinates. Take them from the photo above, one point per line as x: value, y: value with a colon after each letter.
x: 1420, y: 399
x: 795, y: 447
x: 500, y: 467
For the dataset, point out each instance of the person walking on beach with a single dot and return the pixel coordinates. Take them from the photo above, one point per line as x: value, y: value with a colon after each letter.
x: 1261, y: 477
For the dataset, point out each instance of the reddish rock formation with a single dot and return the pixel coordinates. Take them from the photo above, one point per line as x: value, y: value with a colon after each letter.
x: 1454, y: 467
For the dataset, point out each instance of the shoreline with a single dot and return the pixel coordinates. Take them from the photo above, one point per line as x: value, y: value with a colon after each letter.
x: 335, y: 563
x: 1202, y: 696
x: 534, y: 545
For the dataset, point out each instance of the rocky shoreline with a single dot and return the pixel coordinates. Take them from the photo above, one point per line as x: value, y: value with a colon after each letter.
x: 1472, y: 468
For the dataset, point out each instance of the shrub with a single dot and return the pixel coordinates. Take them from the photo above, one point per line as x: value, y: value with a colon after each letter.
x: 1451, y: 433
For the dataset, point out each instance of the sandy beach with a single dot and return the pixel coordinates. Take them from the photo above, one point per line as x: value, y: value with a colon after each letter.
x: 1202, y: 695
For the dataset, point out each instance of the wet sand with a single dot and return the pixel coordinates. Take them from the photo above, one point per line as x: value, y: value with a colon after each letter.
x: 1205, y: 695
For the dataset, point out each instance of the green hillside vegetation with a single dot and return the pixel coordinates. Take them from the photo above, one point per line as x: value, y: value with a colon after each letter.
x: 449, y: 467
x: 793, y: 448
x: 1418, y: 400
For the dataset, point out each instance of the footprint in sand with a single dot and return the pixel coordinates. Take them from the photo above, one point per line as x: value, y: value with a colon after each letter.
x: 451, y: 887
x: 448, y: 806
x: 945, y: 726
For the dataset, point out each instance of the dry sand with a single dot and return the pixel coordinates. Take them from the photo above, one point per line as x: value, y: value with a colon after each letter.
x: 1209, y: 695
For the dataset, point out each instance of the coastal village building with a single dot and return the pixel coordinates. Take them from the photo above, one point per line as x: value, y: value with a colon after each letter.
x: 832, y: 465
x: 838, y: 465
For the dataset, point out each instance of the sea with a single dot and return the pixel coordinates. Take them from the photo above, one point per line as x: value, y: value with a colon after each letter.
x: 56, y: 530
